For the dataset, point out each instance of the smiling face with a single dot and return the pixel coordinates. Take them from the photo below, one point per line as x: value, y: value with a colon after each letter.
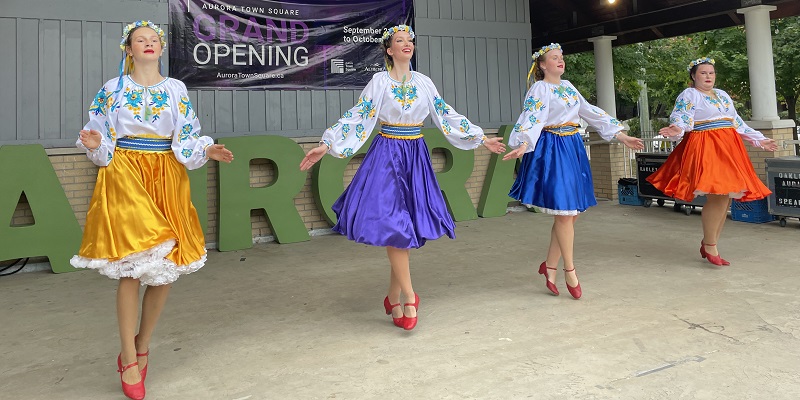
x: 144, y: 44
x: 704, y: 77
x: 552, y: 64
x: 401, y: 47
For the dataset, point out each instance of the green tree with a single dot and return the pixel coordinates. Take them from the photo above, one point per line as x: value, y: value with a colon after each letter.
x: 786, y: 48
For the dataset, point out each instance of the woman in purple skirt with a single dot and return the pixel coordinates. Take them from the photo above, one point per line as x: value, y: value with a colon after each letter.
x: 394, y: 200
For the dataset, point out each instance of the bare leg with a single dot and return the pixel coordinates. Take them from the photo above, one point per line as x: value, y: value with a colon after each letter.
x: 564, y: 227
x: 724, y: 218
x: 128, y: 317
x: 553, y: 254
x: 713, y: 217
x: 399, y: 259
x: 394, y: 289
x: 153, y: 303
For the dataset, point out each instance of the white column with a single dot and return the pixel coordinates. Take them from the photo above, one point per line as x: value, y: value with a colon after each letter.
x: 604, y: 73
x: 759, y: 62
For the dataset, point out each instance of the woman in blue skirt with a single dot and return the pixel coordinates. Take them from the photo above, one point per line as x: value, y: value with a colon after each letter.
x: 555, y: 174
x: 394, y: 200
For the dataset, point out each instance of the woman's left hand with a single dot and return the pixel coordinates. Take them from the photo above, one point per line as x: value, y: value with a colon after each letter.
x: 220, y: 153
x: 769, y: 145
x: 495, y: 145
x: 630, y: 142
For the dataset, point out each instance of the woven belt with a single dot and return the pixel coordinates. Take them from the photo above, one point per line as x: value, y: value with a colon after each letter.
x: 715, y: 124
x: 562, y: 130
x: 403, y: 132
x: 144, y: 144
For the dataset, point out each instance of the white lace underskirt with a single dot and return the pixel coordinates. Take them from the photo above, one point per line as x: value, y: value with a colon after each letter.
x: 733, y: 195
x: 558, y: 212
x: 149, y: 266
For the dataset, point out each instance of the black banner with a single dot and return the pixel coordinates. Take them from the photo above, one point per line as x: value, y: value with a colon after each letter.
x: 787, y: 190
x: 259, y: 44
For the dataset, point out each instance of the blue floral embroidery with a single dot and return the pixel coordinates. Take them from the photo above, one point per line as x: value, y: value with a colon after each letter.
x: 347, y: 114
x: 683, y: 105
x: 133, y: 99
x: 519, y: 128
x: 367, y: 110
x: 109, y: 157
x: 615, y: 121
x: 186, y: 153
x: 345, y: 131
x: 533, y: 104
x: 446, y: 128
x: 348, y: 152
x: 186, y: 130
x: 468, y: 137
x: 687, y: 120
x: 111, y: 133
x: 360, y: 132
x: 566, y: 93
x: 100, y: 103
x: 464, y: 126
x: 405, y: 95
x: 158, y: 102
x: 533, y: 120
x: 441, y: 107
x: 185, y: 108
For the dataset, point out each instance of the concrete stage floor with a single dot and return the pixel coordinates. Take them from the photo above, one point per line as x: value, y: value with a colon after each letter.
x: 305, y: 321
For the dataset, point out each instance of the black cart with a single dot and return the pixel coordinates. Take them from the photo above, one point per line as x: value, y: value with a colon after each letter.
x: 646, y: 164
x: 783, y: 177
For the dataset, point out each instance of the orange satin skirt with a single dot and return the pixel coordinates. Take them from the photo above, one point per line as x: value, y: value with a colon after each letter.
x: 141, y: 222
x: 710, y: 161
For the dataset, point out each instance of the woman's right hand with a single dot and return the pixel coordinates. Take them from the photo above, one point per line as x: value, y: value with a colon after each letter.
x: 91, y: 139
x: 669, y: 131
x: 313, y: 156
x: 516, y: 153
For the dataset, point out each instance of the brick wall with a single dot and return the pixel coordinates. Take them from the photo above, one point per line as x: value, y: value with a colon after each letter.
x: 78, y: 175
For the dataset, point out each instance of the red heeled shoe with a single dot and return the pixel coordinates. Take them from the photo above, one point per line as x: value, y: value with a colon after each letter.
x: 410, y: 322
x: 398, y: 322
x: 550, y: 285
x: 574, y: 291
x: 132, y: 391
x: 145, y: 354
x: 714, y: 259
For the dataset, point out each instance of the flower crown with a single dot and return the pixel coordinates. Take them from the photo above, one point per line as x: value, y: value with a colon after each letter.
x: 545, y: 49
x: 391, y: 31
x: 128, y: 28
x: 699, y: 61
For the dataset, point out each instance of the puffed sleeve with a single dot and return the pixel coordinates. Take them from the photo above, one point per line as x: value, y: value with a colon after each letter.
x: 100, y: 111
x: 532, y: 119
x: 682, y: 114
x: 457, y: 129
x: 747, y: 133
x: 187, y: 144
x: 347, y: 135
x: 607, y: 126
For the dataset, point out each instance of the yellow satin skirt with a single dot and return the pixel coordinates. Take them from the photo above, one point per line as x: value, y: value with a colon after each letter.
x: 141, y: 222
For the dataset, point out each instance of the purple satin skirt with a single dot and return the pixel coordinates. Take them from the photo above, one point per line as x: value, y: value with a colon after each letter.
x: 394, y: 198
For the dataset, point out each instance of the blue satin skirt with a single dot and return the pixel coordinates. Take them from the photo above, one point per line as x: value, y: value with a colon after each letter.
x: 556, y: 176
x: 394, y: 198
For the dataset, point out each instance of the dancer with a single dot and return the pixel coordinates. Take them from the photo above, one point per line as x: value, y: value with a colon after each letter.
x: 141, y: 227
x: 555, y: 174
x: 394, y: 200
x: 711, y: 159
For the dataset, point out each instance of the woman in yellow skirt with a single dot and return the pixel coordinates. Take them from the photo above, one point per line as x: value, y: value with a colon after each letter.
x: 711, y: 160
x: 141, y: 227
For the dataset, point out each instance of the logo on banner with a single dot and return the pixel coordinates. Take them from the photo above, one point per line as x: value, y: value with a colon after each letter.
x: 337, y: 66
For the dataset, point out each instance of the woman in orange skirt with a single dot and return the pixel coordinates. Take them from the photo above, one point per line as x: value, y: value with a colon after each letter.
x: 141, y: 227
x: 711, y: 159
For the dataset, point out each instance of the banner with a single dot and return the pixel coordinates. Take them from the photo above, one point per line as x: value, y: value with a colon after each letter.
x: 258, y: 44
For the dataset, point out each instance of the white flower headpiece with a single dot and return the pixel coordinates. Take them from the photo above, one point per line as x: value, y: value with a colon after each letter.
x: 700, y: 61
x: 128, y: 28
x: 545, y: 49
x: 391, y: 31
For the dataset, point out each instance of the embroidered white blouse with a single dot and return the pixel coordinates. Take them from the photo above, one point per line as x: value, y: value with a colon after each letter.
x: 548, y: 104
x: 159, y: 111
x: 693, y: 106
x: 387, y: 100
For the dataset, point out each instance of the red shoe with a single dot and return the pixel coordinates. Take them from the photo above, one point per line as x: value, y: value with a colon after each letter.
x: 716, y: 260
x: 398, y: 322
x: 574, y: 291
x: 410, y: 322
x: 132, y: 391
x: 145, y: 354
x: 550, y: 285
